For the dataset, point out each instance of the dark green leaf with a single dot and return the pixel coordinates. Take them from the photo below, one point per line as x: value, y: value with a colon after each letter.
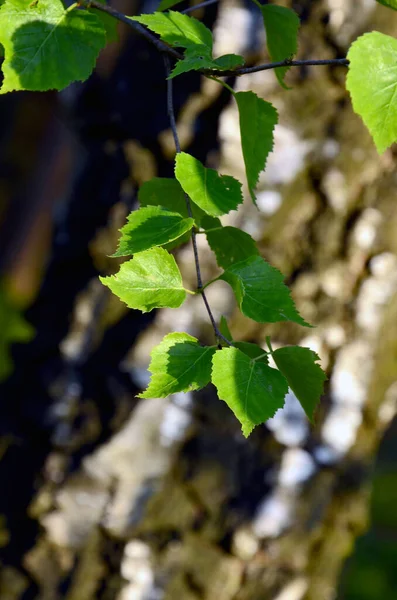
x: 166, y: 4
x: 230, y: 245
x: 224, y: 329
x: 282, y: 26
x: 150, y: 280
x: 257, y: 121
x: 109, y: 23
x: 151, y: 226
x: 178, y: 364
x: 215, y: 194
x: 253, y: 351
x: 161, y: 191
x: 251, y: 389
x: 47, y: 47
x: 260, y: 292
x: 304, y: 376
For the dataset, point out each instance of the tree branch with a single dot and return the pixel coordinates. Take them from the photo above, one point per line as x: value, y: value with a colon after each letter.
x: 200, y: 287
x: 168, y: 51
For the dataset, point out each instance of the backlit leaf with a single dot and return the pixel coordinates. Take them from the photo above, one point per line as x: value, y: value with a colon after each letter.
x: 252, y: 390
x: 215, y: 194
x: 260, y: 291
x: 304, y: 376
x: 372, y: 83
x: 179, y: 364
x: 151, y: 226
x: 257, y: 121
x: 282, y: 26
x: 150, y: 280
x: 177, y: 29
x: 47, y: 47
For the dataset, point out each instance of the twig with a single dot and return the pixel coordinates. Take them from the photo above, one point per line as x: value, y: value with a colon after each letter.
x: 200, y: 287
x: 197, y: 6
x: 167, y: 50
x: 161, y: 46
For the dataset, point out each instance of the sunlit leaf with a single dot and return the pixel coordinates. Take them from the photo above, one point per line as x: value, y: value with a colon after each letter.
x: 372, y: 83
x: 179, y: 364
x: 150, y: 280
x: 151, y: 226
x: 213, y: 193
x: 251, y: 389
x: 47, y: 47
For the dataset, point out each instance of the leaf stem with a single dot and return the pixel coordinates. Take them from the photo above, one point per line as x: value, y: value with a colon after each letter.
x: 200, y: 287
x: 209, y: 230
x: 260, y: 356
x: 225, y: 85
x: 269, y: 344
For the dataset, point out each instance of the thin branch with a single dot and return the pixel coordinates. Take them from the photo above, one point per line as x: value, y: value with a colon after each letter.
x: 200, y: 287
x: 167, y: 50
x: 197, y: 6
x: 154, y: 40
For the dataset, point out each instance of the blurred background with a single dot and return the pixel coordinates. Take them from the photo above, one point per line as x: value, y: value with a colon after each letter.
x: 105, y: 496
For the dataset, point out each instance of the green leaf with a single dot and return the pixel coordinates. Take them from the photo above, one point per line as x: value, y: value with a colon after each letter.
x: 178, y: 364
x: 251, y: 389
x: 161, y: 191
x: 224, y: 329
x: 109, y: 23
x: 372, y: 83
x: 47, y: 47
x: 215, y: 194
x: 390, y: 3
x: 257, y: 121
x: 165, y: 4
x: 253, y: 351
x: 196, y: 58
x: 177, y: 29
x: 13, y: 328
x: 151, y: 226
x: 230, y: 244
x: 150, y: 280
x: 282, y: 26
x: 260, y: 292
x: 304, y: 376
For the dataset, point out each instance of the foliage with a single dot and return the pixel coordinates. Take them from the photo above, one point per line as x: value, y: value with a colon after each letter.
x: 13, y: 328
x: 47, y: 47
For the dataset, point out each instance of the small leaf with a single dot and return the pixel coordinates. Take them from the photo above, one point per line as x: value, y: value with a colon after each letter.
x: 224, y: 329
x: 161, y: 191
x: 215, y: 194
x: 13, y: 328
x: 151, y: 226
x: 47, y: 47
x: 230, y: 245
x: 166, y: 4
x: 178, y: 364
x: 177, y: 29
x: 257, y: 121
x: 150, y: 280
x: 109, y: 23
x: 260, y: 292
x: 251, y: 389
x: 282, y: 26
x: 304, y: 376
x: 390, y: 3
x: 198, y: 57
x: 372, y: 83
x: 253, y: 351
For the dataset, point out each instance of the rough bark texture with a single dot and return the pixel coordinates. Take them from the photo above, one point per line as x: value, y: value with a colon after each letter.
x: 142, y: 500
